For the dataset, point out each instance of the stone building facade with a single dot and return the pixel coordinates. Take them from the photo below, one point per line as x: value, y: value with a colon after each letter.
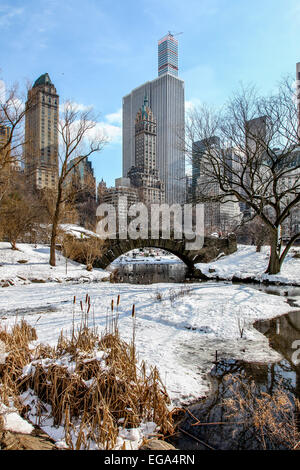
x: 144, y: 174
x: 41, y: 134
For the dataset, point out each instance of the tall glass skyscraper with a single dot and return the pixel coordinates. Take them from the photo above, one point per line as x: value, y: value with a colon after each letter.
x: 168, y: 55
x: 166, y: 100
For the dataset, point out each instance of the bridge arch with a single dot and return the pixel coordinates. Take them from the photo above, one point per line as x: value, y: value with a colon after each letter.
x: 212, y: 247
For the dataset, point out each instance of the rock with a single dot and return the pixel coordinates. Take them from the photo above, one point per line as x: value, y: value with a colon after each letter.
x: 157, y: 444
x: 38, y: 281
x: 37, y: 440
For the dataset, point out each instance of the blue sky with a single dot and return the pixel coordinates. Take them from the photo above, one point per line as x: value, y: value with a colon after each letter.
x: 97, y: 51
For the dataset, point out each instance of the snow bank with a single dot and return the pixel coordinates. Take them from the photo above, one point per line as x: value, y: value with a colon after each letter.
x: 30, y: 263
x: 246, y: 263
x: 179, y: 334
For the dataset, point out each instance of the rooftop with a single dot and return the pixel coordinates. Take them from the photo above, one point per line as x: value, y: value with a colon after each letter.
x: 43, y: 80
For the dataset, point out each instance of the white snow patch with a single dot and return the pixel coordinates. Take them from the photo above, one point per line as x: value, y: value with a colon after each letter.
x: 246, y: 262
x: 34, y: 266
x: 13, y: 422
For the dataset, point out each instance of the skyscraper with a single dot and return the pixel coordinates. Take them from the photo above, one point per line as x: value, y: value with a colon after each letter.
x: 168, y: 55
x: 198, y: 150
x: 166, y: 99
x: 82, y: 178
x: 144, y: 175
x: 41, y: 134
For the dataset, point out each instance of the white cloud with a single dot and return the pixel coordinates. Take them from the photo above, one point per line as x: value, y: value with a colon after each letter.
x: 110, y: 127
x: 192, y: 104
x: 102, y: 129
x: 76, y: 106
x: 115, y: 118
x: 111, y: 132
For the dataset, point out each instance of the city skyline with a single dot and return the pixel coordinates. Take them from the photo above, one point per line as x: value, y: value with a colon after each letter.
x: 222, y: 44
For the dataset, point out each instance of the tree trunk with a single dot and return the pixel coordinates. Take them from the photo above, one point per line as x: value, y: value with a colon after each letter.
x: 274, y: 261
x: 55, y: 221
x: 52, y: 260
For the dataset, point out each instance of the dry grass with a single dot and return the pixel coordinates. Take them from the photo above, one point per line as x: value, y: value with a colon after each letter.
x: 18, y: 355
x: 273, y: 417
x: 173, y: 294
x: 85, y: 250
x: 100, y: 394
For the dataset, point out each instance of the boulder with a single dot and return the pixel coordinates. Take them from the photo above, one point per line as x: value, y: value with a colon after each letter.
x: 37, y: 440
x: 157, y: 444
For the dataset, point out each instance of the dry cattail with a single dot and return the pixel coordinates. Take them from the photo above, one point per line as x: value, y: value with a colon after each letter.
x: 74, y: 300
x: 116, y: 392
x: 118, y: 301
x: 112, y: 305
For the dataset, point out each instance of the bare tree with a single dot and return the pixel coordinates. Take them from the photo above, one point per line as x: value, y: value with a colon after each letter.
x: 263, y: 171
x: 12, y: 113
x: 79, y: 140
x: 256, y: 232
x: 83, y: 196
x: 19, y: 211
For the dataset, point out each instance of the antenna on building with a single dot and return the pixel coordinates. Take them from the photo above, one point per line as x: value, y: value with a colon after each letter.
x: 174, y: 34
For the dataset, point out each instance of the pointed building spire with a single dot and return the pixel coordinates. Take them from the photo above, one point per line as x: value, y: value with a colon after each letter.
x: 145, y: 108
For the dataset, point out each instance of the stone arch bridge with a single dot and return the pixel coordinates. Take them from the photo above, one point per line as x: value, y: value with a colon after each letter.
x: 212, y: 247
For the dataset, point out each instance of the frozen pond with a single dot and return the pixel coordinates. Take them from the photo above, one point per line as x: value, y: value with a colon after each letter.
x: 231, y: 433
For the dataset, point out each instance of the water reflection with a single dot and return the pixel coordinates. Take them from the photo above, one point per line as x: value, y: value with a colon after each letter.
x: 143, y: 273
x: 233, y: 434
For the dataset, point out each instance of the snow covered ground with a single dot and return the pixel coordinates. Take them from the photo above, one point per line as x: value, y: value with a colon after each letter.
x: 246, y: 263
x: 30, y: 263
x: 179, y: 327
x: 179, y: 334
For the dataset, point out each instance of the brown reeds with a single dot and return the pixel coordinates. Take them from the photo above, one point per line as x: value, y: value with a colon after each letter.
x: 273, y: 417
x: 90, y: 379
x: 18, y: 355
